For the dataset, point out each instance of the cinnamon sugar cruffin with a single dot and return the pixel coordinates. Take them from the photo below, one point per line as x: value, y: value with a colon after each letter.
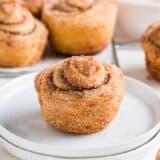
x: 151, y: 45
x: 23, y: 38
x: 80, y: 110
x: 80, y: 27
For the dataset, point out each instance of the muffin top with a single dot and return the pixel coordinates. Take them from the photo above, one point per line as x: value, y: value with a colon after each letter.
x: 15, y: 19
x: 74, y: 5
x: 79, y: 77
x: 79, y: 73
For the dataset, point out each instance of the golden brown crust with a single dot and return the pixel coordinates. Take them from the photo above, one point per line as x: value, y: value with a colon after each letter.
x: 151, y: 45
x: 23, y: 38
x: 80, y: 111
x: 78, y: 28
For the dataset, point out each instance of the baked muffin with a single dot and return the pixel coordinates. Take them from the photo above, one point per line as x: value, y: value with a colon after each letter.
x: 80, y: 95
x: 23, y: 38
x: 151, y: 44
x: 35, y: 6
x: 80, y: 27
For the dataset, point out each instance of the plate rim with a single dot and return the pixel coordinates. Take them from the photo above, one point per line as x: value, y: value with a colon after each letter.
x: 156, y: 136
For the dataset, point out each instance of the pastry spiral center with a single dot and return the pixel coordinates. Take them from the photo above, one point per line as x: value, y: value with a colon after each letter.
x: 79, y: 73
x: 84, y: 72
x: 74, y: 5
x: 15, y: 19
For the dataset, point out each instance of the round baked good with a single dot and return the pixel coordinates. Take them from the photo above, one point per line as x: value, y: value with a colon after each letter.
x: 80, y: 95
x: 151, y: 44
x: 35, y: 6
x: 22, y: 37
x: 80, y: 27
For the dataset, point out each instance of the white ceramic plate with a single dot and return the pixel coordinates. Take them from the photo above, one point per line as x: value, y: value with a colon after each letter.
x: 145, y: 152
x: 23, y: 126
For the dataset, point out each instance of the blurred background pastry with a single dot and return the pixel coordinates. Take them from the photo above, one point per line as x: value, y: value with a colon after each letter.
x: 80, y: 95
x: 151, y: 45
x: 80, y: 27
x: 23, y: 38
x: 35, y: 6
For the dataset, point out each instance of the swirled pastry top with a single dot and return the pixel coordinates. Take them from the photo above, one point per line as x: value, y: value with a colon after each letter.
x: 73, y: 6
x: 152, y: 35
x: 15, y: 19
x: 80, y: 73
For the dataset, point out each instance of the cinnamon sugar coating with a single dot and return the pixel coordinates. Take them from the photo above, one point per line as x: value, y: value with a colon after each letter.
x: 84, y: 72
x: 23, y: 38
x: 151, y: 44
x: 80, y: 27
x: 80, y: 110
